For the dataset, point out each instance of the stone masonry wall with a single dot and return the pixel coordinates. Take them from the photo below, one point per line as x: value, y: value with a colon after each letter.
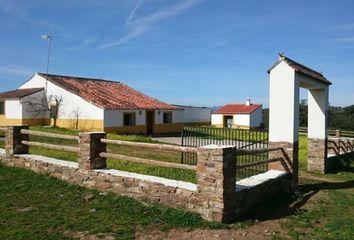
x: 143, y: 190
x: 340, y: 145
x: 317, y: 155
x: 290, y: 162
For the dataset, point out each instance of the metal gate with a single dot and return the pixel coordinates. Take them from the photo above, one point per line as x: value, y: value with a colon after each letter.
x: 238, y: 138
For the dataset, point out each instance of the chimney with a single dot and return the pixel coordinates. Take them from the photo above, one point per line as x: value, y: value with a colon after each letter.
x: 248, y: 102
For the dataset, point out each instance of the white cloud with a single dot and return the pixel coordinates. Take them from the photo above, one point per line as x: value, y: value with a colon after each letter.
x: 83, y: 43
x: 141, y: 25
x: 347, y: 26
x: 134, y: 10
x: 13, y: 70
x: 343, y: 39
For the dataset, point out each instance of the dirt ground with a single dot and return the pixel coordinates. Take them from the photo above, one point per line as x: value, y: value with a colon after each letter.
x: 261, y: 230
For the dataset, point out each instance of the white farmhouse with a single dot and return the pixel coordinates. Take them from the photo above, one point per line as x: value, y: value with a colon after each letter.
x: 92, y: 104
x: 244, y: 116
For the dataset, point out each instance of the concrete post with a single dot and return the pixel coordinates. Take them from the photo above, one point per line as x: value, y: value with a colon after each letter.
x: 13, y: 141
x: 216, y: 179
x: 317, y: 130
x: 90, y: 147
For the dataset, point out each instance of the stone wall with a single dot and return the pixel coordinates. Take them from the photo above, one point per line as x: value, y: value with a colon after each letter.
x: 215, y: 196
x: 340, y: 145
x: 290, y: 162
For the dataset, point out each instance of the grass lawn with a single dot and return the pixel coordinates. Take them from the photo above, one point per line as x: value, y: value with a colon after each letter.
x: 35, y: 206
x: 162, y: 155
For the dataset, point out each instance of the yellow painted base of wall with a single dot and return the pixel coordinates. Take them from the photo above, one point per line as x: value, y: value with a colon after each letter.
x: 29, y: 122
x: 138, y: 129
x: 81, y: 125
x: 157, y: 129
x: 233, y: 126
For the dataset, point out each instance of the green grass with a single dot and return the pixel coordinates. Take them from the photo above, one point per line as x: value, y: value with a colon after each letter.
x: 35, y: 206
x: 161, y: 155
x: 225, y: 133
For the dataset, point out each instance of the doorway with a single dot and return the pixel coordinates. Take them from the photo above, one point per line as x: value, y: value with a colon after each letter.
x: 150, y: 119
x: 228, y: 121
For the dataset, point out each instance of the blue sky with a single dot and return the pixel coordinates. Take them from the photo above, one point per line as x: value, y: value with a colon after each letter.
x: 195, y: 52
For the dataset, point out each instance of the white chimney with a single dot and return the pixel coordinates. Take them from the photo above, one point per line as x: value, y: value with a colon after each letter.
x: 248, y: 101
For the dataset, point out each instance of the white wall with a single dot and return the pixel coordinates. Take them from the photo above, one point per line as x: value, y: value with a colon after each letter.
x: 114, y: 118
x: 256, y: 118
x: 71, y: 103
x: 242, y: 119
x: 217, y: 119
x: 196, y: 114
x: 283, y: 104
x: 34, y: 106
x: 177, y: 116
x: 13, y: 109
x: 317, y: 111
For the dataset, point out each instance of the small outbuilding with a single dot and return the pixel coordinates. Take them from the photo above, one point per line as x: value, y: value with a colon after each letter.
x: 243, y: 116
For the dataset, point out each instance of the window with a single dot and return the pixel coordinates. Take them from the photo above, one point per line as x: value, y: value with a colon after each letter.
x: 129, y: 119
x: 167, y: 117
x: 2, y: 108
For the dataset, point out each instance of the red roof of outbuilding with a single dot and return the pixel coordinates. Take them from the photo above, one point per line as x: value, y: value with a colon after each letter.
x: 19, y: 93
x: 237, y: 109
x: 107, y: 94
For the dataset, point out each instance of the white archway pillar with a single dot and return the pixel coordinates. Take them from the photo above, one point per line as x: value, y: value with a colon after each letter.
x: 286, y: 78
x: 284, y: 118
x: 317, y: 129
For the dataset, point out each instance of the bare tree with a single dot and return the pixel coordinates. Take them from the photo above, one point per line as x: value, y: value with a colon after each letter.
x: 54, y: 106
x: 46, y: 106
x: 76, y: 118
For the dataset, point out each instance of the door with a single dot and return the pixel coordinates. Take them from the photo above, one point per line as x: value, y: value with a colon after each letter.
x: 228, y: 121
x: 150, y: 123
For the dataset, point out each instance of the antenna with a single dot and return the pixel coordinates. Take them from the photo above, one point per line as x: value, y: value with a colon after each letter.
x: 48, y: 36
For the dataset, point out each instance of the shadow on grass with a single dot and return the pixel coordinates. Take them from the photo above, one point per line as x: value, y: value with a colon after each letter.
x: 344, y: 163
x: 284, y: 205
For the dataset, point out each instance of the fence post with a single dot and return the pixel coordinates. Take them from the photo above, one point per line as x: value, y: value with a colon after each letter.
x: 338, y: 133
x: 90, y: 147
x: 216, y: 180
x: 13, y: 141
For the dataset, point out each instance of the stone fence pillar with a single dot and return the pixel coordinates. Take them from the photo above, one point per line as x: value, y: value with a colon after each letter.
x: 90, y: 147
x: 216, y: 181
x: 317, y: 155
x: 13, y: 141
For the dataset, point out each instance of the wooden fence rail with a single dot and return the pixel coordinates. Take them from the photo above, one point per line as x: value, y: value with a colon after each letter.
x: 152, y: 146
x: 50, y: 135
x: 257, y: 150
x: 52, y: 146
x: 147, y: 161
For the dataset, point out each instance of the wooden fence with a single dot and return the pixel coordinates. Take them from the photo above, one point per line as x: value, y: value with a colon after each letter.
x: 149, y: 146
x: 50, y: 135
x: 332, y: 132
x: 240, y: 153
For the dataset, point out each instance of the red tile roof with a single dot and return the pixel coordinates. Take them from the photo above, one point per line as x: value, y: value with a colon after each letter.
x: 237, y: 109
x: 299, y: 68
x: 19, y: 93
x: 107, y: 94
